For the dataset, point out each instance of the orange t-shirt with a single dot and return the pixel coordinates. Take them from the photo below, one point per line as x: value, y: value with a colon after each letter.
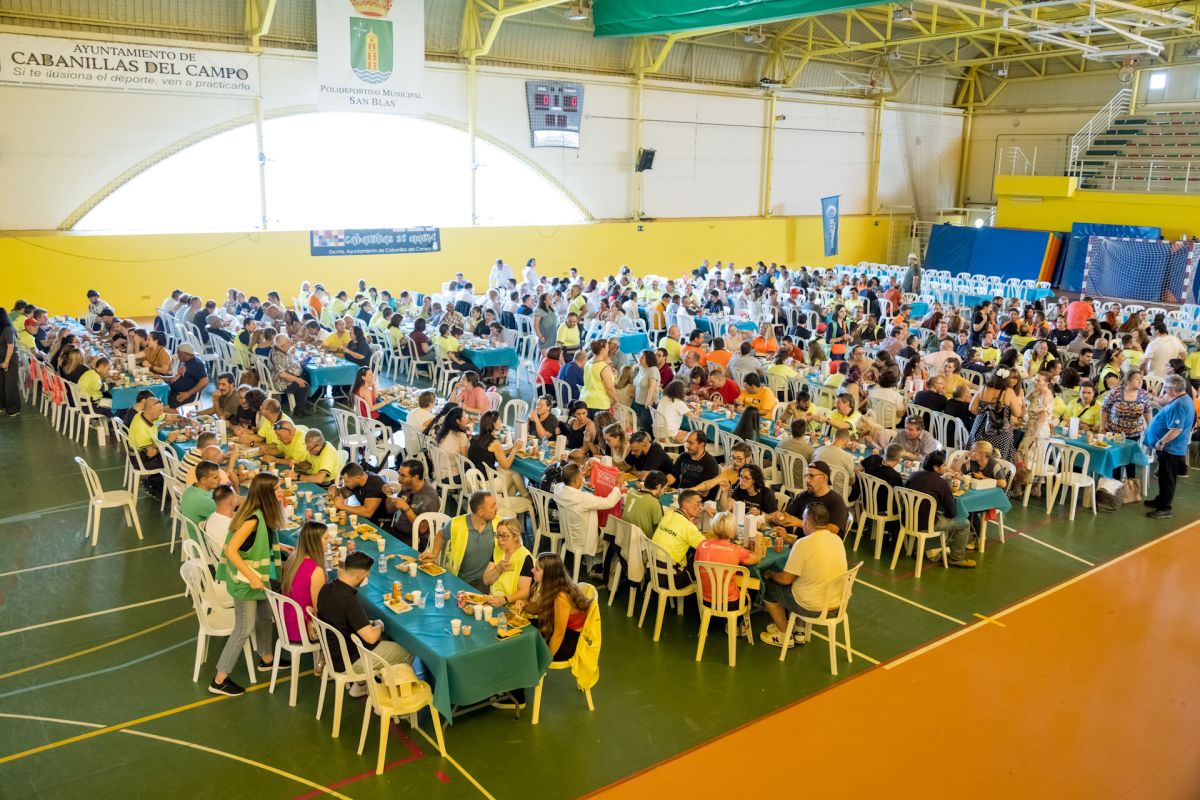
x: 720, y: 357
x: 687, y: 348
x: 720, y: 551
x: 762, y: 345
x: 1079, y: 312
x: 314, y: 302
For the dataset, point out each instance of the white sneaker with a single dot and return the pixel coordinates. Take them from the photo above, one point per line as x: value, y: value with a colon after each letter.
x: 358, y: 689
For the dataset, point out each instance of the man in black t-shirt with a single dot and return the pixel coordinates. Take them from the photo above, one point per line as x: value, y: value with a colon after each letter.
x: 646, y: 455
x: 696, y: 465
x: 366, y: 488
x: 339, y: 607
x: 817, y: 490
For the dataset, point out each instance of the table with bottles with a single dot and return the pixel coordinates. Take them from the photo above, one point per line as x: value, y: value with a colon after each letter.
x: 324, y: 368
x: 483, y: 354
x: 466, y: 667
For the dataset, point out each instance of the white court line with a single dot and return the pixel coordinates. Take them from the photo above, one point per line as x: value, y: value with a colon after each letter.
x: 840, y: 646
x: 910, y: 602
x: 53, y: 719
x: 78, y: 560
x: 92, y: 614
x: 1056, y: 549
x: 1036, y: 597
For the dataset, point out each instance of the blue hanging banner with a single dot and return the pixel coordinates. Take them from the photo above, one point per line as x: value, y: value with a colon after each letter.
x: 375, y: 241
x: 829, y: 223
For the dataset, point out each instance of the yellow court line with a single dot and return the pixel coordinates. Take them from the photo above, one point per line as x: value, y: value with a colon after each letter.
x: 79, y: 560
x: 934, y: 611
x: 69, y: 656
x: 989, y: 619
x: 242, y: 759
x: 191, y: 745
x: 148, y: 718
x: 457, y: 766
x: 90, y: 615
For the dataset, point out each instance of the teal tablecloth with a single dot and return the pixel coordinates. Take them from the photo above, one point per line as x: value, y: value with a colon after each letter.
x: 1104, y: 460
x: 493, y: 357
x: 974, y: 500
x: 124, y: 397
x: 919, y: 309
x: 395, y: 414
x: 728, y: 425
x: 341, y: 374
x: 705, y: 324
x: 465, y: 669
x: 634, y: 343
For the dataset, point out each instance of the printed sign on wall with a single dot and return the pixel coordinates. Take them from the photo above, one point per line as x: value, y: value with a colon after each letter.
x: 371, y: 55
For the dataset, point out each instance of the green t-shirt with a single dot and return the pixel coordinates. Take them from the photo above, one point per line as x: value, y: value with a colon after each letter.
x: 196, y: 504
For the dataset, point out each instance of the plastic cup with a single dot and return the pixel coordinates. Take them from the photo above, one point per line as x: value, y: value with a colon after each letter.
x: 342, y: 553
x: 487, y: 612
x: 478, y: 611
x: 412, y: 569
x: 354, y: 520
x: 382, y: 545
x: 466, y: 630
x: 456, y: 626
x: 417, y: 597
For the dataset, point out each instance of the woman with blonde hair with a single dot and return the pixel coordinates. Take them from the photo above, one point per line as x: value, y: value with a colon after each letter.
x: 624, y: 388
x: 249, y: 562
x: 509, y: 575
x: 304, y: 575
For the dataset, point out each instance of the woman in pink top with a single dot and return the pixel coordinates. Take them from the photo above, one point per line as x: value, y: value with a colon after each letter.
x: 470, y: 394
x: 303, y: 575
x: 722, y: 550
x: 365, y: 392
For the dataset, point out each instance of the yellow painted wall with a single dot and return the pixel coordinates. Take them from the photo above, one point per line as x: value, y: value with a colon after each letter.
x: 1025, y: 208
x: 134, y: 273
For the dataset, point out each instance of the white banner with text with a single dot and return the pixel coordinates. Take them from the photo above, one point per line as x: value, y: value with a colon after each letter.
x: 371, y: 55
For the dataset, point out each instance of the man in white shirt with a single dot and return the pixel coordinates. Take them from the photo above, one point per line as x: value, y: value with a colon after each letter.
x: 1162, y: 348
x: 171, y: 304
x: 500, y: 275
x: 836, y: 454
x: 814, y: 560
x: 581, y: 537
x: 216, y: 527
x: 529, y: 274
x: 936, y: 362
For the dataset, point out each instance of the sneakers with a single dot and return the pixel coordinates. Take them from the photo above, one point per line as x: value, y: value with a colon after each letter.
x: 267, y: 666
x: 775, y: 638
x: 1159, y: 513
x: 933, y: 553
x: 963, y: 563
x: 358, y: 689
x: 226, y: 687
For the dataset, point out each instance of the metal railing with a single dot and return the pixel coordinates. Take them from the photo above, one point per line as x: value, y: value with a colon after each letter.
x: 1098, y: 124
x: 1049, y: 156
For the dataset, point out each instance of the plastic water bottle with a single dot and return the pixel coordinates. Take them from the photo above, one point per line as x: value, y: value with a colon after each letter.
x: 439, y: 599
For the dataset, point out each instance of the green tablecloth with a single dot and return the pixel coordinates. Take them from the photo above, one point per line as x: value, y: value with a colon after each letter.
x: 705, y: 324
x: 465, y: 669
x: 340, y: 374
x: 634, y: 343
x: 493, y: 357
x: 124, y: 397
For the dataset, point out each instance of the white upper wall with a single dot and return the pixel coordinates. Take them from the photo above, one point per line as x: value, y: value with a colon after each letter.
x: 58, y: 148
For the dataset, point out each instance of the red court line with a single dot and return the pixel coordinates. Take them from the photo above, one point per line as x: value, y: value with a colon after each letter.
x: 414, y: 753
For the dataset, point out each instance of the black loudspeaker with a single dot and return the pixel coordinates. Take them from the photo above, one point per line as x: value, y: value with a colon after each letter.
x: 645, y: 160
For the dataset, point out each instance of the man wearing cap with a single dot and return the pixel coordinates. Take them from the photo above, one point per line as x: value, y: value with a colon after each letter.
x: 290, y: 449
x: 817, y: 490
x: 912, y: 278
x: 190, y: 378
x: 26, y: 334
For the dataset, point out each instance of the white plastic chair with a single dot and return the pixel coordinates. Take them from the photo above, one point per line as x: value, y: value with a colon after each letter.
x: 350, y: 434
x: 397, y: 693
x: 99, y: 499
x: 593, y: 612
x: 325, y: 633
x: 832, y: 615
x: 215, y: 619
x: 719, y: 578
x: 434, y: 520
x: 878, y: 506
x: 541, y: 522
x: 515, y: 411
x: 660, y: 566
x: 911, y: 526
x: 280, y: 603
x: 135, y: 468
x: 1068, y: 478
x: 661, y: 433
x: 1010, y: 471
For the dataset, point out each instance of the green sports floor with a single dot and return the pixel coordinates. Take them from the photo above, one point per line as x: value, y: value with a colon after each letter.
x: 97, y: 646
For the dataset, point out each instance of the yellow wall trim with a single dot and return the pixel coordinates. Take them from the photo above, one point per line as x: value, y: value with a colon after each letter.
x: 134, y: 273
x: 1036, y: 185
x: 1174, y: 213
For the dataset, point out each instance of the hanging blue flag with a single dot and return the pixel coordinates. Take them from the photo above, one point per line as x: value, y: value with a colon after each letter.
x: 829, y: 223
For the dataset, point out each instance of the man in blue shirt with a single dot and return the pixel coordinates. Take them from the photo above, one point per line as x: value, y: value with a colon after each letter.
x: 1168, y: 434
x: 190, y: 379
x: 571, y: 373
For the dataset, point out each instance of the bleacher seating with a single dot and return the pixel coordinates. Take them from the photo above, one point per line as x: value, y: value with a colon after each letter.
x: 1145, y: 153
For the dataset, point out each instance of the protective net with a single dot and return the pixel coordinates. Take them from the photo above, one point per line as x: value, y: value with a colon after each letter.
x: 1140, y: 269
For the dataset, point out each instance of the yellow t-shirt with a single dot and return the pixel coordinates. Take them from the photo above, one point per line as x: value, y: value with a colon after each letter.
x: 852, y: 420
x: 672, y: 347
x: 294, y: 450
x: 577, y: 305
x: 1193, y: 364
x: 266, y: 431
x: 568, y: 336
x: 327, y: 461
x: 25, y: 339
x: 143, y: 434
x: 337, y: 340
x: 677, y: 534
x: 91, y: 386
x: 782, y: 369
x: 835, y: 380
x: 988, y: 355
x: 764, y: 400
x: 1073, y: 408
